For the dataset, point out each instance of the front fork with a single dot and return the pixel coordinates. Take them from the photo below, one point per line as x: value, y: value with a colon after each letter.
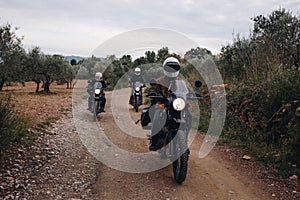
x: 96, y: 101
x: 171, y: 149
x: 91, y: 101
x: 134, y: 98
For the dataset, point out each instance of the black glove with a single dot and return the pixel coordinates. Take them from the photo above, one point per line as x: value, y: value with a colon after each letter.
x: 153, y: 94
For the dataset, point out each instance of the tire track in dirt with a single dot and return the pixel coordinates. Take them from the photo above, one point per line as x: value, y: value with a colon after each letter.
x: 208, y: 178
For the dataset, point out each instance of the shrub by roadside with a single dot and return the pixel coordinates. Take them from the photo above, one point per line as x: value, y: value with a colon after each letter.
x: 263, y: 118
x: 13, y: 127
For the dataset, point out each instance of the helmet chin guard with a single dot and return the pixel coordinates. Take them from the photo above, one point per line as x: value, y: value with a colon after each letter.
x: 137, y: 71
x: 171, y: 74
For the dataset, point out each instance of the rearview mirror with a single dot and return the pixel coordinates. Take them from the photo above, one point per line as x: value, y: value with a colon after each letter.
x: 198, y: 95
x: 198, y: 83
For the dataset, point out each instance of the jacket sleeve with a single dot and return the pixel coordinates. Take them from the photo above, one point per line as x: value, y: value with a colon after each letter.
x: 155, y: 89
x: 130, y: 81
x: 142, y: 80
x: 104, y: 84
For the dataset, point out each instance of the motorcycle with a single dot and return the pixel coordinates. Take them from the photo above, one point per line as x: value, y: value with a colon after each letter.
x: 98, y: 98
x: 137, y: 98
x: 173, y: 137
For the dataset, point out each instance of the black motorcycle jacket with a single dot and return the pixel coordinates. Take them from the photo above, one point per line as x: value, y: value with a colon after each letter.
x: 90, y: 87
x: 136, y: 78
x: 162, y: 86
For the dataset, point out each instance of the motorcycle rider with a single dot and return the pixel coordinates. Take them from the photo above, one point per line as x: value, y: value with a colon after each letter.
x: 136, y: 77
x: 161, y: 86
x: 90, y: 90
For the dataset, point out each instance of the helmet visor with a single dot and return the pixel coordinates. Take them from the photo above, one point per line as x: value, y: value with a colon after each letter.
x: 172, y: 67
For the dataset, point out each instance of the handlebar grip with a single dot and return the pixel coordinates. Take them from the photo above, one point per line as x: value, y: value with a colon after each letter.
x: 154, y: 95
x: 195, y: 97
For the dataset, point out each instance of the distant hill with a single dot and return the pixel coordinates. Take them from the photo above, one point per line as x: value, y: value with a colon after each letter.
x: 77, y: 58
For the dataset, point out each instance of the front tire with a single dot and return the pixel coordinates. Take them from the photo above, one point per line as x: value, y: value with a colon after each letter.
x: 181, y: 164
x: 136, y: 105
x: 95, y: 113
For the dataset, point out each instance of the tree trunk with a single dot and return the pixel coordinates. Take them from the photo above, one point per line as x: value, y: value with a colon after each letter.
x: 37, y: 86
x: 1, y: 84
x: 73, y: 84
x: 47, y: 87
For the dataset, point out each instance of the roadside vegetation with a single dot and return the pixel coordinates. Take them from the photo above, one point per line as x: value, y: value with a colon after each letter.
x: 13, y: 127
x: 261, y: 69
x: 25, y: 115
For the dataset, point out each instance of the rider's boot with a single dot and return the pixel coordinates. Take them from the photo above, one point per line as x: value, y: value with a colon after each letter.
x: 153, y: 143
x: 131, y: 100
x: 153, y: 146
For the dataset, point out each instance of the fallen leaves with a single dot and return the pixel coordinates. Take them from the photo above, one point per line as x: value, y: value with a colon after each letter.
x: 39, y: 107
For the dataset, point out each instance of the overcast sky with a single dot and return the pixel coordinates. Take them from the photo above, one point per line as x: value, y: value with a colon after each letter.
x: 77, y: 27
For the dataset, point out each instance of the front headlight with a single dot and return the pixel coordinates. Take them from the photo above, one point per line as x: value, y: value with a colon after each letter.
x: 97, y: 91
x: 137, y: 89
x: 178, y: 104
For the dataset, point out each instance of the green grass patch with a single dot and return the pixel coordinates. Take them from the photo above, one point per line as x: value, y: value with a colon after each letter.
x: 45, y: 124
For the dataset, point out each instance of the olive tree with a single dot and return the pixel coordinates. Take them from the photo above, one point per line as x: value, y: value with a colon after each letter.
x: 52, y: 68
x: 11, y: 55
x: 33, y: 66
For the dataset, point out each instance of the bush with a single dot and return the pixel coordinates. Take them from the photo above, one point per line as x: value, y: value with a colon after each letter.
x: 263, y: 118
x: 13, y: 127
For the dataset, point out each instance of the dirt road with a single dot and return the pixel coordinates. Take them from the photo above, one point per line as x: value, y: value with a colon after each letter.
x: 58, y: 166
x: 210, y: 178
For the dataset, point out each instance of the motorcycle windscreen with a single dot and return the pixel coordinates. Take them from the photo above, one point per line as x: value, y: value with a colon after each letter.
x: 137, y: 84
x: 98, y: 85
x: 181, y: 89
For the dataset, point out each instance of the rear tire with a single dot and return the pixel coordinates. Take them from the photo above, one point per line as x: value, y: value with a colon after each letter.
x: 181, y: 164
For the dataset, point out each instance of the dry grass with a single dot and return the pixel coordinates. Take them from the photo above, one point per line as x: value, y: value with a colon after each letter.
x: 40, y: 107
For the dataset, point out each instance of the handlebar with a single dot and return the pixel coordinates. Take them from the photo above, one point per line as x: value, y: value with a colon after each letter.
x: 131, y: 85
x: 161, y: 97
x: 156, y: 97
x: 106, y: 88
x: 194, y: 96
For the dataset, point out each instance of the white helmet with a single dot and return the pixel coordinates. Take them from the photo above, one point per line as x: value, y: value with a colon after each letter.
x: 137, y: 71
x: 98, y: 76
x: 171, y: 67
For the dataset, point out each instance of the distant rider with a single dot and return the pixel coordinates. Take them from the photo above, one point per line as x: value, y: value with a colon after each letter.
x: 90, y: 90
x: 135, y: 77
